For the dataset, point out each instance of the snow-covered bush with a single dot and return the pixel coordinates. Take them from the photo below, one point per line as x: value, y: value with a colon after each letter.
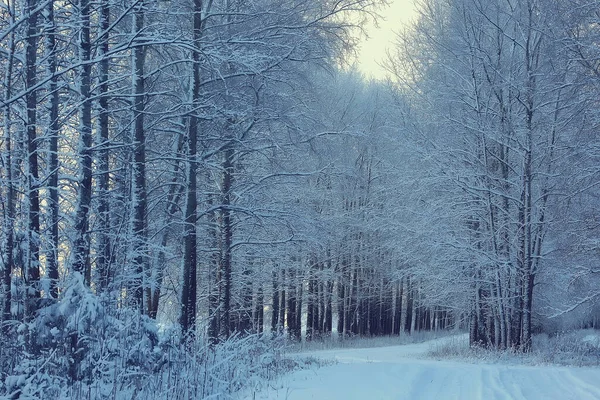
x: 74, y: 342
x: 204, y: 371
x: 76, y: 349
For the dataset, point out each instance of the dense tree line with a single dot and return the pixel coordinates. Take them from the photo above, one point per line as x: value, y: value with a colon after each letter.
x: 503, y: 102
x: 201, y: 164
x: 147, y: 148
x: 209, y: 166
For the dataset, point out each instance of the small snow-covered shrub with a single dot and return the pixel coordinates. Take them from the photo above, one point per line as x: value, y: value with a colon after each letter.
x: 34, y: 378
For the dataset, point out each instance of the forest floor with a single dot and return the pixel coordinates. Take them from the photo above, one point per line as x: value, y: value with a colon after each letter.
x: 410, y: 372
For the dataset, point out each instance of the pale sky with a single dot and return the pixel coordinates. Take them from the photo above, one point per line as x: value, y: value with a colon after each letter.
x: 373, y: 50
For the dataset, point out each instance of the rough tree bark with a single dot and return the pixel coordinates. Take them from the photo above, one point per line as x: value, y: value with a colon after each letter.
x: 189, y: 289
x: 53, y: 131
x: 9, y: 215
x: 81, y: 246
x: 103, y: 260
x: 138, y: 192
x: 33, y: 184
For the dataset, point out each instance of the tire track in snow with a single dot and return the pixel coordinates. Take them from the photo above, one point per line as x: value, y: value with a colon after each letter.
x: 558, y: 380
x: 592, y: 391
x: 512, y: 384
x: 429, y: 384
x: 490, y: 380
x: 401, y: 373
x: 570, y: 391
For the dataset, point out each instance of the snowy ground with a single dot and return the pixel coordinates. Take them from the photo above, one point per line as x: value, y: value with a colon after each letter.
x: 403, y: 372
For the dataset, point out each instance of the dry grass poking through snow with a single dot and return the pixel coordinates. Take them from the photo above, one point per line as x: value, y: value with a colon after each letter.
x: 356, y: 342
x: 577, y: 348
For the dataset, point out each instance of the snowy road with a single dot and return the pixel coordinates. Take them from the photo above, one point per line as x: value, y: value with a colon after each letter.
x: 399, y: 373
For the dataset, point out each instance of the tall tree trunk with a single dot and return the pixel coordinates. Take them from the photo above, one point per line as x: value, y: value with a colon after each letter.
x: 9, y: 215
x: 214, y: 271
x: 298, y: 324
x: 310, y: 306
x: 291, y: 303
x: 32, y: 266
x: 328, y: 325
x: 226, y: 243
x: 81, y: 261
x: 531, y: 65
x: 138, y: 192
x: 283, y: 303
x: 104, y: 221
x: 173, y: 198
x: 319, y: 317
x: 189, y: 289
x: 528, y: 274
x: 275, y: 302
x: 259, y: 313
x: 473, y: 327
x: 53, y: 131
x: 341, y: 309
x: 409, y: 306
x: 244, y: 315
x: 352, y: 307
x: 398, y: 308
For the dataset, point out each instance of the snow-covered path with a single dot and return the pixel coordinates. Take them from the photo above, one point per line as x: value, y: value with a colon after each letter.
x: 399, y: 372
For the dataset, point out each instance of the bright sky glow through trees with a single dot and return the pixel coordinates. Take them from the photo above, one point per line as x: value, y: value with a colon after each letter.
x: 381, y: 36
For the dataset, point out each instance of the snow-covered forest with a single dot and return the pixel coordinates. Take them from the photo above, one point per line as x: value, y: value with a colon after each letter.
x: 185, y: 185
